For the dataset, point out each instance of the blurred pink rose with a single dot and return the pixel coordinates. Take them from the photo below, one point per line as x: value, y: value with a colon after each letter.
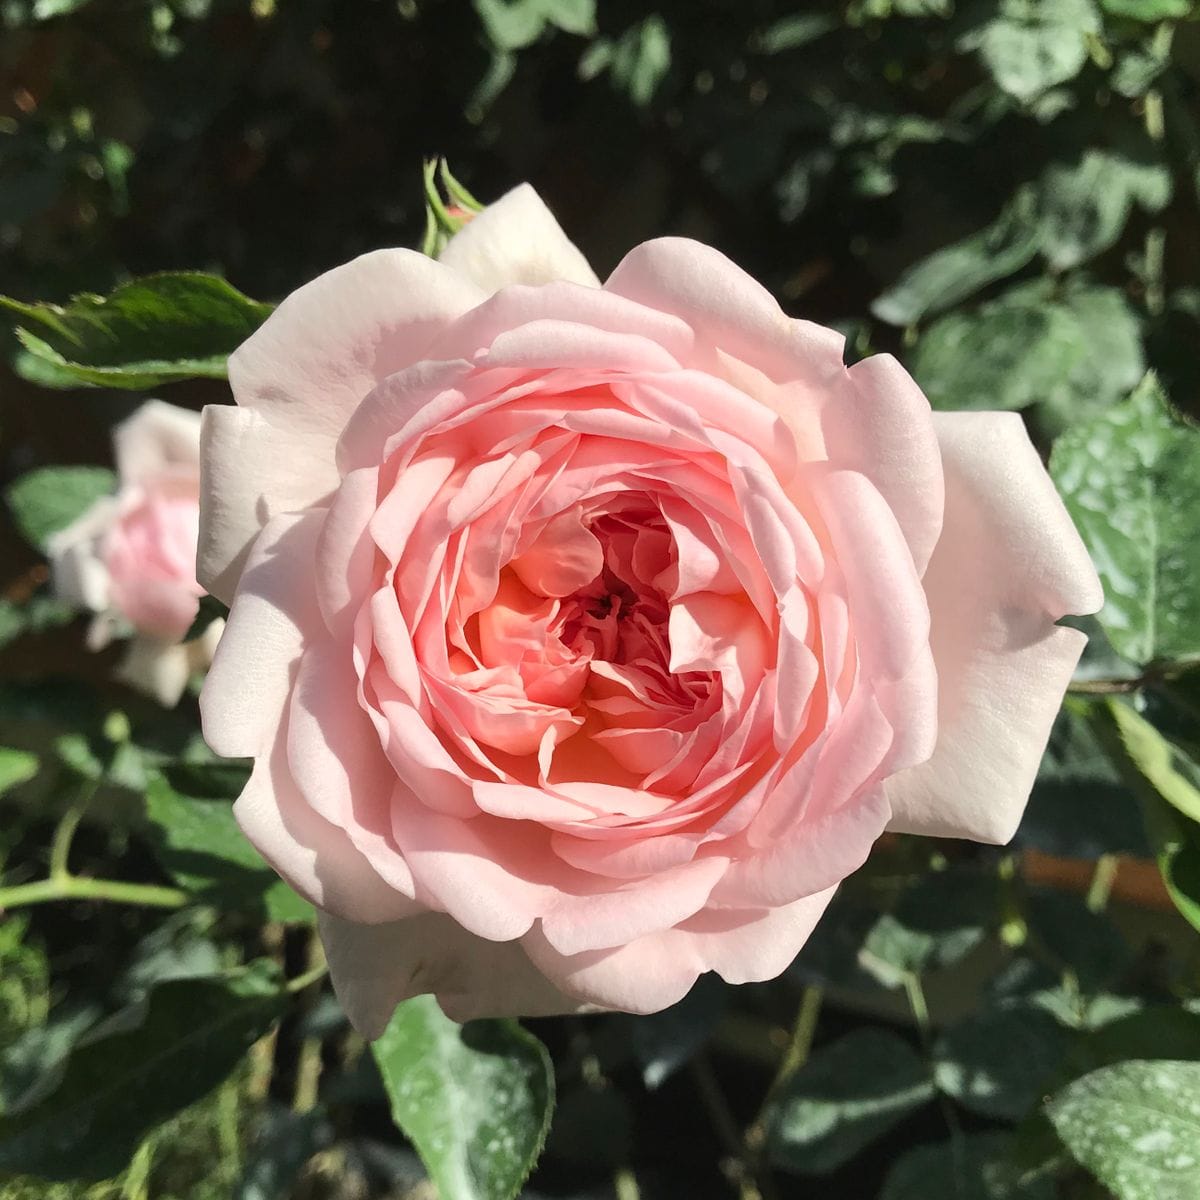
x: 586, y: 637
x: 131, y: 558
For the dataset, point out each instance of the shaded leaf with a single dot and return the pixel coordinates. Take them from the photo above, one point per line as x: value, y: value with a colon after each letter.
x: 976, y: 1167
x: 845, y: 1096
x: 133, y: 1071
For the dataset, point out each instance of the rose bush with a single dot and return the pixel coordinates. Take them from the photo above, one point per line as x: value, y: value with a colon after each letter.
x: 131, y: 557
x: 586, y: 637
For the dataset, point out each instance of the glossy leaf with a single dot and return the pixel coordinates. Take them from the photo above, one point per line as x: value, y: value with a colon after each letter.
x: 144, y: 333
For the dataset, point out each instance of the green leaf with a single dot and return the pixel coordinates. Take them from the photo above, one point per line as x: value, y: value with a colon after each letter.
x: 959, y: 270
x: 1080, y: 806
x: 1148, y: 10
x: 1155, y: 1032
x: 1130, y: 478
x: 199, y: 843
x: 147, y: 332
x: 38, y: 614
x: 475, y: 1099
x: 790, y: 33
x: 1084, y: 942
x: 664, y: 1041
x: 640, y: 58
x: 211, y: 609
x: 1163, y: 766
x: 844, y: 1097
x: 16, y: 767
x: 135, y: 1070
x: 1086, y: 203
x: 936, y: 923
x: 49, y: 499
x: 996, y: 1062
x: 978, y: 1166
x: 1136, y: 1127
x: 1032, y: 45
x: 515, y: 24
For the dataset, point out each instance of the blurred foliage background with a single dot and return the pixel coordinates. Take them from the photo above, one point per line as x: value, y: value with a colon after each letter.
x: 1004, y: 193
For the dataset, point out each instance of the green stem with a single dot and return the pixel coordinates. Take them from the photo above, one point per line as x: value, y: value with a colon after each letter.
x: 726, y: 1127
x: 74, y: 887
x: 625, y: 1184
x: 1103, y: 878
x: 64, y: 833
x: 307, y: 979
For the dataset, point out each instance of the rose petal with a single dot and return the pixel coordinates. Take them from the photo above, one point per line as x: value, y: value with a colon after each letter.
x: 375, y: 967
x: 156, y: 438
x: 274, y: 611
x: 1008, y: 565
x: 516, y: 240
x: 251, y: 471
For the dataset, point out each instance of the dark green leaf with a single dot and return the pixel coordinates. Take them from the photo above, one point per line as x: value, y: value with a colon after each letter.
x: 49, y: 499
x: 38, y: 614
x: 959, y: 270
x: 845, y: 1096
x: 937, y: 922
x: 198, y: 841
x: 665, y: 1041
x: 1136, y: 1127
x: 1085, y: 942
x: 976, y: 1167
x: 144, y: 333
x: 1131, y: 480
x: 211, y: 609
x: 1081, y: 806
x: 282, y: 1143
x: 475, y: 1100
x: 996, y: 1062
x: 135, y: 1070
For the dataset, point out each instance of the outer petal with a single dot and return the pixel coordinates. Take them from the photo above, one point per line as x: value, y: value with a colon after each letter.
x: 516, y: 240
x: 881, y: 426
x: 653, y: 972
x: 1008, y: 565
x: 727, y: 309
x: 315, y: 857
x: 375, y: 967
x: 155, y: 438
x: 246, y: 693
x: 252, y: 471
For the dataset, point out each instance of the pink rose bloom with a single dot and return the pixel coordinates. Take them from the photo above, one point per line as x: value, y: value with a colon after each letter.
x: 131, y: 558
x: 586, y: 636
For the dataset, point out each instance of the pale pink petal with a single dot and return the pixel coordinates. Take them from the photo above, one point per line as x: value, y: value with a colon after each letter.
x: 727, y: 309
x: 564, y: 558
x: 251, y: 471
x: 622, y: 914
x: 1009, y: 564
x: 516, y: 240
x: 274, y: 611
x: 156, y: 438
x: 375, y: 967
x: 77, y: 571
x: 315, y: 857
x: 881, y: 427
x: 157, y: 668
x: 332, y: 340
